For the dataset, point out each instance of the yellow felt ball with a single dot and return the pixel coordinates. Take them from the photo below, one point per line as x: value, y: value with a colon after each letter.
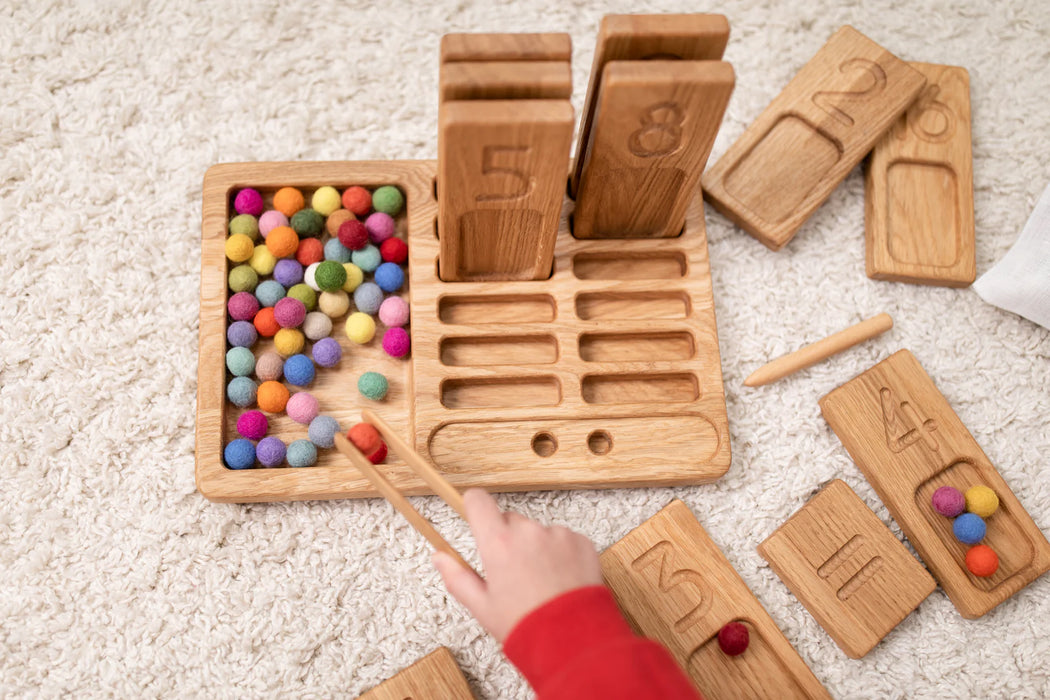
x: 289, y: 341
x: 326, y: 200
x: 239, y: 248
x: 360, y: 327
x: 354, y: 277
x: 334, y: 304
x: 263, y: 260
x: 981, y: 500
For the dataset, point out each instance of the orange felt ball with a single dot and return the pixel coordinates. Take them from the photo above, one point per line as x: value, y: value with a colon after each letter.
x: 265, y: 323
x: 982, y: 560
x: 358, y: 200
x: 288, y: 200
x: 336, y: 219
x: 365, y: 437
x: 283, y: 241
x: 272, y: 397
x: 310, y: 251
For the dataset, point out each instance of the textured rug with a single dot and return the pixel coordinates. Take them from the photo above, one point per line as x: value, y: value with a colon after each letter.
x: 119, y: 579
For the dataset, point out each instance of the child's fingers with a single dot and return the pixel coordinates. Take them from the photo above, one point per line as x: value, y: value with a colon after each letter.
x: 483, y: 515
x: 464, y: 585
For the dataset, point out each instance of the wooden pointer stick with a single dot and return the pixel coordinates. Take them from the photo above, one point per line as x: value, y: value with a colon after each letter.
x: 820, y: 350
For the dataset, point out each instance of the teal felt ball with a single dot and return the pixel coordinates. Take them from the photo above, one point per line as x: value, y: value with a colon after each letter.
x: 373, y: 385
x: 301, y: 453
x: 240, y: 361
x: 241, y: 392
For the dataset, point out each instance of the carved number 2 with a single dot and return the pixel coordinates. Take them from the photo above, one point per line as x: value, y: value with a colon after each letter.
x: 490, y: 166
x: 876, y: 83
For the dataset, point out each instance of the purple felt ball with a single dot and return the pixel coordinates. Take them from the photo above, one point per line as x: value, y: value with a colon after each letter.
x: 949, y: 501
x: 288, y: 272
x: 302, y: 407
x: 380, y: 227
x: 289, y: 312
x: 396, y: 342
x: 393, y: 312
x: 270, y: 451
x: 252, y: 425
x: 248, y: 201
x: 271, y: 220
x: 327, y: 352
x: 243, y: 306
x: 242, y: 334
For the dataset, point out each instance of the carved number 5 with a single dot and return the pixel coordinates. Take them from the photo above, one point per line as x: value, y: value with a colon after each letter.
x: 490, y: 165
x: 876, y: 82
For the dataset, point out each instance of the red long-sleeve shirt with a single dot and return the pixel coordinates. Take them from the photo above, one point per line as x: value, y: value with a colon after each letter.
x: 578, y: 646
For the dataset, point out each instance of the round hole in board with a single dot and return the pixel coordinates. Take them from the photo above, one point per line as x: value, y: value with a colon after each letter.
x: 599, y: 442
x: 544, y: 444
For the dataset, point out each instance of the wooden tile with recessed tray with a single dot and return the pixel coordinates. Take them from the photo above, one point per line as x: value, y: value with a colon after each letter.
x: 436, y: 675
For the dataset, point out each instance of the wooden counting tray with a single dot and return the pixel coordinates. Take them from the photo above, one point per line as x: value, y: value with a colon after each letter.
x: 674, y: 584
x: 606, y: 375
x: 908, y: 442
x: 436, y: 675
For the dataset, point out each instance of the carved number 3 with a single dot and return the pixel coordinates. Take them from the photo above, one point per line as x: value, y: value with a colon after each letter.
x: 876, y: 79
x: 490, y: 166
x: 929, y: 104
x: 661, y: 131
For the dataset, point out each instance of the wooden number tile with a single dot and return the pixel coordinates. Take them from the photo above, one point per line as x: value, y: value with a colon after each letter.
x: 919, y: 188
x: 847, y: 568
x: 436, y: 676
x: 655, y: 122
x: 691, y: 37
x: 506, y: 80
x: 810, y: 136
x: 506, y: 47
x: 908, y: 442
x: 501, y: 182
x: 675, y: 585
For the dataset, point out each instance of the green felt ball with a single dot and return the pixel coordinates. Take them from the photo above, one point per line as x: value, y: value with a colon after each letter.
x: 330, y: 275
x: 373, y: 385
x: 303, y: 293
x: 243, y: 279
x: 246, y: 224
x: 308, y: 223
x: 388, y: 199
x: 240, y: 361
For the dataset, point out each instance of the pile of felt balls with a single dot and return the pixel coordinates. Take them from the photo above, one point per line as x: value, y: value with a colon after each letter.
x: 294, y: 270
x: 970, y: 511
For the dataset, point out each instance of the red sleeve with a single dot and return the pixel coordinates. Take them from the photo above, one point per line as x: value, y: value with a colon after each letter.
x: 578, y: 646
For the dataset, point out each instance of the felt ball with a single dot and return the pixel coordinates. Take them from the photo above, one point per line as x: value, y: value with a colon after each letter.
x: 969, y: 528
x: 310, y: 251
x: 368, y: 258
x: 354, y: 277
x: 270, y: 220
x: 336, y: 251
x: 243, y: 279
x: 240, y: 361
x: 733, y: 639
x: 327, y: 352
x: 365, y: 437
x: 368, y: 297
x: 326, y: 200
x: 301, y: 453
x: 269, y: 367
x: 336, y: 219
x: 378, y: 455
x: 373, y: 385
x: 269, y: 292
x: 239, y: 454
x: 396, y: 342
x: 308, y: 223
x: 982, y: 560
x: 248, y: 201
x: 981, y: 500
x: 394, y: 250
x: 389, y: 277
x: 288, y: 200
x: 270, y: 451
x: 303, y: 293
x: 380, y: 227
x: 282, y: 242
x: 242, y: 306
x: 360, y: 327
x: 302, y: 407
x: 317, y: 326
x: 334, y: 304
x: 388, y: 199
x: 272, y: 396
x: 948, y: 501
x: 393, y: 312
x: 289, y: 312
x: 330, y: 276
x: 288, y: 341
x: 358, y: 200
x: 245, y: 224
x: 288, y: 272
x: 252, y: 425
x: 299, y: 370
x: 310, y: 276
x: 322, y: 431
x: 265, y: 323
x: 239, y: 248
x: 241, y: 334
x: 353, y: 234
x: 262, y: 261
x: 241, y: 391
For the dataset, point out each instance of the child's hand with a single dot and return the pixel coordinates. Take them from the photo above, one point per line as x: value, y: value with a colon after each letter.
x: 526, y: 565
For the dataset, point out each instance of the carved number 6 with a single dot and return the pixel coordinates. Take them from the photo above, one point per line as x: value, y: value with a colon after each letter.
x: 661, y: 131
x: 489, y: 166
x: 927, y: 104
x: 877, y: 82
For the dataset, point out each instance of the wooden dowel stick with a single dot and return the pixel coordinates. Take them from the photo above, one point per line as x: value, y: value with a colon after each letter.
x: 820, y: 350
x: 397, y: 499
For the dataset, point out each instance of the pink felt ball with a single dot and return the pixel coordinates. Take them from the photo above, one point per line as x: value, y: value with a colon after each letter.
x: 302, y: 407
x: 380, y: 227
x: 948, y: 501
x: 393, y: 312
x: 252, y: 425
x: 271, y: 220
x: 396, y: 342
x: 733, y: 639
x: 243, y: 306
x: 248, y: 201
x: 289, y: 312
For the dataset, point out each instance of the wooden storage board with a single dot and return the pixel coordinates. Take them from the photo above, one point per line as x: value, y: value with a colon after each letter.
x: 674, y: 584
x: 847, y: 568
x: 434, y: 677
x: 611, y: 367
x: 908, y: 442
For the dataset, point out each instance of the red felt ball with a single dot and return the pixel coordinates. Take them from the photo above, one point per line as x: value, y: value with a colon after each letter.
x: 733, y: 639
x: 310, y: 250
x: 353, y: 235
x: 394, y: 250
x: 379, y: 455
x: 365, y: 437
x: 358, y: 200
x: 982, y: 560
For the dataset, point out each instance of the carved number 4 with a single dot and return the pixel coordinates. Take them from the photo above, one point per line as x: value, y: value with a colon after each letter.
x: 904, y: 426
x: 490, y: 165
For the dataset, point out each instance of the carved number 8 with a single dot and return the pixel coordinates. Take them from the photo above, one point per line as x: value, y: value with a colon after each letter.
x: 661, y: 131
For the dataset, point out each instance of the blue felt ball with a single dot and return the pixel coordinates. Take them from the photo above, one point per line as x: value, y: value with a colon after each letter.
x: 302, y: 453
x: 334, y: 250
x: 969, y: 528
x: 241, y: 392
x: 270, y: 451
x: 240, y: 361
x: 242, y: 334
x: 367, y: 297
x: 322, y: 431
x: 269, y: 292
x: 299, y: 370
x: 368, y: 258
x: 239, y: 454
x: 390, y: 277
